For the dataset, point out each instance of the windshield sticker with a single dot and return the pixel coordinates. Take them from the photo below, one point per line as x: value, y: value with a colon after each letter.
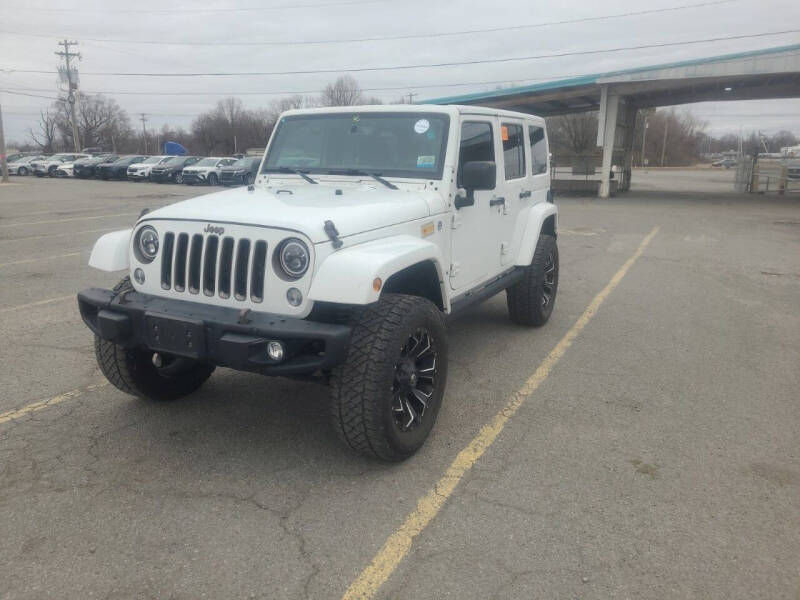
x: 426, y: 161
x: 422, y: 126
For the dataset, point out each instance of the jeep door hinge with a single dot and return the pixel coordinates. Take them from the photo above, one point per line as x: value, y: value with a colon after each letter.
x: 454, y: 269
x: 456, y: 222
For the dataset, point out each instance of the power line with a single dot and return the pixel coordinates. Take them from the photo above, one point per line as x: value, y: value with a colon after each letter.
x: 393, y: 37
x: 197, y: 9
x: 560, y: 76
x: 30, y: 95
x: 427, y: 65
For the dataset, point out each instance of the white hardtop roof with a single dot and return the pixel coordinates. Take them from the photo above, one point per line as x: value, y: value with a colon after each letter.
x: 450, y: 109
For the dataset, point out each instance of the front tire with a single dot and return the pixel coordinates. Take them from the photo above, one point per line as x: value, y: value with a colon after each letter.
x: 178, y: 178
x: 212, y: 179
x: 531, y: 300
x: 22, y: 171
x: 132, y: 370
x: 51, y: 172
x: 386, y: 395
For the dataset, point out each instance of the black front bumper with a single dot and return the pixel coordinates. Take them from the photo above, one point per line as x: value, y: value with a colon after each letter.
x: 213, y: 334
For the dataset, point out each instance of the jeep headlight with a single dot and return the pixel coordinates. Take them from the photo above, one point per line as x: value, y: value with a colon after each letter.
x: 145, y: 244
x: 294, y: 258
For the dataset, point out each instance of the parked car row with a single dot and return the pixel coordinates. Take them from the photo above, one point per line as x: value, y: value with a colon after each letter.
x: 191, y: 170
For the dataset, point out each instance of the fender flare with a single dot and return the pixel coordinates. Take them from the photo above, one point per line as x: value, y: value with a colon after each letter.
x: 533, y: 227
x: 110, y: 252
x: 347, y: 276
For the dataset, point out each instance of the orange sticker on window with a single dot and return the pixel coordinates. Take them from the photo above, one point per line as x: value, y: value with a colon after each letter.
x: 504, y: 133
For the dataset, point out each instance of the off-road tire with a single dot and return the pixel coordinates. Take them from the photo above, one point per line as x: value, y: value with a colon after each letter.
x: 525, y: 298
x: 132, y: 371
x: 360, y: 388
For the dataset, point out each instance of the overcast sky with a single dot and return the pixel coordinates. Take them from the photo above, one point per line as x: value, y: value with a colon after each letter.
x: 242, y: 21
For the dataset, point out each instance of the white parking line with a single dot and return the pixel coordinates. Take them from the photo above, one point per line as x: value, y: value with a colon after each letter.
x: 38, y: 303
x: 31, y: 260
x: 63, y: 220
x: 54, y: 235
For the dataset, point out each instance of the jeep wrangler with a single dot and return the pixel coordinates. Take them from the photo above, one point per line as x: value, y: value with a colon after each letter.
x: 364, y: 229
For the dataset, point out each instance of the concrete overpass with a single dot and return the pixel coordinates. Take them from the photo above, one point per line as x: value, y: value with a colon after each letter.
x: 759, y: 74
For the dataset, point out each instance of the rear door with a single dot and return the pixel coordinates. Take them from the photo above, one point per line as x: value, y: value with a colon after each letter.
x: 515, y: 187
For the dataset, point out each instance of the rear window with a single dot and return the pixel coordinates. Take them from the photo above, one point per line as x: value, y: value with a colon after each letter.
x: 513, y: 150
x: 538, y: 149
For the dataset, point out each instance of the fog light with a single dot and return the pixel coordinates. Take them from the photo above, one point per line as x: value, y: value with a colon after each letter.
x: 294, y: 296
x: 275, y: 350
x: 138, y: 275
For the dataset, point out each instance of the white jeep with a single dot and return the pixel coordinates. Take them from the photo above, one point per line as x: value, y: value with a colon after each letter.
x: 365, y: 228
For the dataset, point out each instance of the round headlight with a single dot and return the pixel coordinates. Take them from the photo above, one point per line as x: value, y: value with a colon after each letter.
x: 146, y: 244
x: 294, y: 257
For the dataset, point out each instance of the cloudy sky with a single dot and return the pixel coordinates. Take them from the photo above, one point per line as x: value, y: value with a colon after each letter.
x: 325, y: 36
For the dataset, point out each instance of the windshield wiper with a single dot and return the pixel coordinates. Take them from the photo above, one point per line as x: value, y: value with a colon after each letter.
x: 359, y: 172
x: 296, y: 172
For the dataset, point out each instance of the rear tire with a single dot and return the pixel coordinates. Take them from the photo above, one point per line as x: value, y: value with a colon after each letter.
x: 531, y: 300
x: 386, y: 395
x: 51, y: 172
x: 132, y: 371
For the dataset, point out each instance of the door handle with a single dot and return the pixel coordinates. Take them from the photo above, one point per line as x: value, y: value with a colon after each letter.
x: 497, y: 201
x: 525, y: 194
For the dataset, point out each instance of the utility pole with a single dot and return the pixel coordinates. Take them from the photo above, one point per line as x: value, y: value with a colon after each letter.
x: 664, y: 145
x: 3, y: 161
x: 73, y: 88
x: 645, y: 125
x: 143, y: 119
x: 411, y: 97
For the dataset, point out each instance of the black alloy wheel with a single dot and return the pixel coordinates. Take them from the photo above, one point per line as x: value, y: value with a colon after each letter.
x: 414, y: 380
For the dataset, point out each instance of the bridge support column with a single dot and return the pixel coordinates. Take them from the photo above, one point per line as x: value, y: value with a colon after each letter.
x: 606, y: 129
x: 628, y: 112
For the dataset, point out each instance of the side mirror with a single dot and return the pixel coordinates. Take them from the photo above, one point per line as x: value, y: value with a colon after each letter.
x: 476, y: 175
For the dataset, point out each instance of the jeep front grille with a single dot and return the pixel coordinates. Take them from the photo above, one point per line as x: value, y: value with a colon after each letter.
x: 217, y: 266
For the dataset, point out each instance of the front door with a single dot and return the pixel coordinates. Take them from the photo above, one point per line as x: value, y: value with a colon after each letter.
x: 474, y: 243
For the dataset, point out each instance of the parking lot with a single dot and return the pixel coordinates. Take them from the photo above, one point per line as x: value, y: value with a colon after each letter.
x: 655, y: 455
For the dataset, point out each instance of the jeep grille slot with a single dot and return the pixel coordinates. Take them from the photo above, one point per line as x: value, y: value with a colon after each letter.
x: 242, y: 264
x: 195, y: 257
x: 259, y: 268
x: 210, y: 265
x: 166, y: 260
x: 179, y: 274
x: 225, y: 268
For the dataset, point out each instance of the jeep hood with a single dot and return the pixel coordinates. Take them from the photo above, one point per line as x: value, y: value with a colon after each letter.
x: 306, y: 208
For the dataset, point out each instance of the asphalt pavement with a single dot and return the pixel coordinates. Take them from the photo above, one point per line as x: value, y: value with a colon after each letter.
x: 657, y: 458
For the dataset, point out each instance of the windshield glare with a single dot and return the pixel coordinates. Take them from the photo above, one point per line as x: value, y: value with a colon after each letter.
x: 391, y: 144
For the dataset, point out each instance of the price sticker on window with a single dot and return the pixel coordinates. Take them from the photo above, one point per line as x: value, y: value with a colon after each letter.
x: 504, y: 133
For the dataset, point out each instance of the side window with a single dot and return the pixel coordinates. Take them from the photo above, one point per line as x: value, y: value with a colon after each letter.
x: 538, y: 149
x: 513, y: 151
x: 477, y: 143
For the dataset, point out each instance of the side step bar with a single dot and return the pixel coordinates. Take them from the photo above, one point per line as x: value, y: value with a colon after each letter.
x: 488, y: 290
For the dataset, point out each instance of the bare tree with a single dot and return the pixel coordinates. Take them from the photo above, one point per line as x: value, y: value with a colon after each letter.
x: 342, y: 92
x: 44, y: 136
x: 101, y: 122
x: 575, y: 133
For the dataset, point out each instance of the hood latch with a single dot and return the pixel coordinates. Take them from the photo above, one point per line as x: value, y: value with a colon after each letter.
x: 333, y: 234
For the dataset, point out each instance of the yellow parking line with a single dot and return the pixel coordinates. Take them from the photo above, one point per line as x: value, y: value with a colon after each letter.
x: 35, y: 406
x: 30, y: 260
x: 70, y: 219
x: 399, y: 543
x: 38, y: 303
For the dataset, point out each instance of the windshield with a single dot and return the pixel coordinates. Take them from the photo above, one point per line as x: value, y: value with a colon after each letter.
x: 391, y: 144
x: 59, y: 157
x: 244, y: 163
x: 153, y: 160
x: 126, y: 160
x: 175, y: 161
x: 207, y: 162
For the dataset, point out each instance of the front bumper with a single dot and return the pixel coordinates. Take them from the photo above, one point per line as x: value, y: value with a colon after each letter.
x: 213, y: 334
x: 159, y: 176
x: 192, y: 177
x: 138, y: 175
